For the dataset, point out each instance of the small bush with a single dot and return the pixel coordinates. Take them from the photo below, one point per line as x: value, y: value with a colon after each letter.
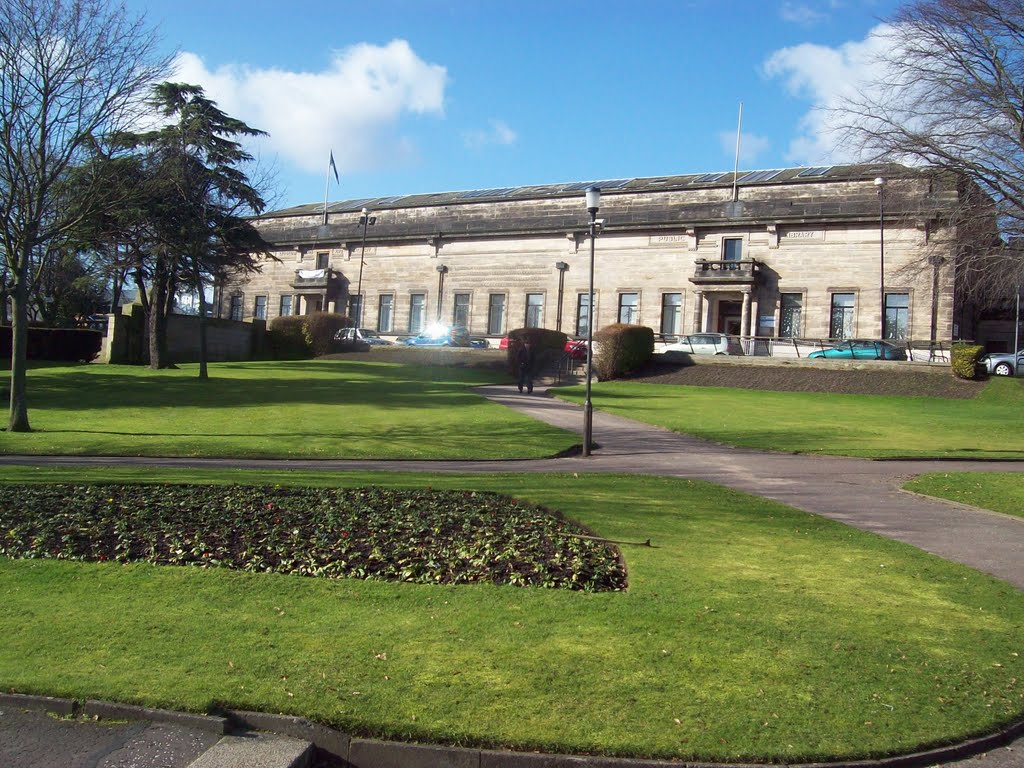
x: 546, y: 344
x: 319, y: 329
x: 964, y: 360
x: 621, y: 348
x: 286, y: 339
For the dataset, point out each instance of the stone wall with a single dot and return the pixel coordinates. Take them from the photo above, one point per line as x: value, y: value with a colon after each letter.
x: 127, y: 339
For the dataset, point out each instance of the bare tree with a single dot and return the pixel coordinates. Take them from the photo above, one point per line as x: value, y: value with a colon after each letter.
x: 950, y: 95
x: 71, y: 73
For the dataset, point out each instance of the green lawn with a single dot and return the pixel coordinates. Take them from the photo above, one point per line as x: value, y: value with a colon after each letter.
x: 750, y: 631
x: 872, y: 426
x: 998, y: 491
x: 297, y: 409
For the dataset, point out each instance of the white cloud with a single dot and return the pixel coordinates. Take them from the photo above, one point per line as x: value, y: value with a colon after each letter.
x: 751, y: 146
x: 826, y: 77
x: 801, y: 13
x: 354, y: 106
x: 498, y: 132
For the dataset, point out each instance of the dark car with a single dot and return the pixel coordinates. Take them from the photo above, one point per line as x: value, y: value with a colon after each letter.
x: 357, y: 336
x: 860, y: 350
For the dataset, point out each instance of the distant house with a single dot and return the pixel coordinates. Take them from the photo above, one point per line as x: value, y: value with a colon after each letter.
x: 787, y: 253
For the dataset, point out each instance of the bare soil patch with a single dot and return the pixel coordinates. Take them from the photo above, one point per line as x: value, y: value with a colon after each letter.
x: 896, y: 380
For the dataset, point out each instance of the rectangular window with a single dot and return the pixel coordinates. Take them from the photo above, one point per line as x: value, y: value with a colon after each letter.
x: 385, y: 307
x: 671, y: 313
x: 417, y: 311
x: 286, y: 306
x: 841, y: 325
x: 897, y: 315
x: 496, y: 314
x: 322, y: 259
x: 792, y: 305
x: 534, y: 310
x: 355, y: 309
x: 732, y: 250
x: 236, y: 307
x: 460, y: 314
x: 583, y: 314
x: 259, y: 310
x: 629, y: 308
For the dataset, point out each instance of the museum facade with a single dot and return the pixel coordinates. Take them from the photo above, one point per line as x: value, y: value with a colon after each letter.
x: 859, y: 251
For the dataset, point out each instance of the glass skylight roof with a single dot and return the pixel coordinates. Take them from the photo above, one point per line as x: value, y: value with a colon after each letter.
x: 760, y: 175
x: 818, y: 170
x: 708, y: 178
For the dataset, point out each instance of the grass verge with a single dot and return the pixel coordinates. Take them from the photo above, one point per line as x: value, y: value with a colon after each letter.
x: 998, y: 491
x: 295, y: 409
x: 870, y: 426
x: 750, y: 632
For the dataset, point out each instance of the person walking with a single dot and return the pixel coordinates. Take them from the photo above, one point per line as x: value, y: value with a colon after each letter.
x: 524, y: 363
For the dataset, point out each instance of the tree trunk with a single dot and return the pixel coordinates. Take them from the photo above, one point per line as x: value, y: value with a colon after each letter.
x: 158, y: 352
x: 203, y: 372
x: 18, y: 421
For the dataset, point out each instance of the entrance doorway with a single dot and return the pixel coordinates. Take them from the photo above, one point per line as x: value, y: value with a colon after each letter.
x: 730, y: 315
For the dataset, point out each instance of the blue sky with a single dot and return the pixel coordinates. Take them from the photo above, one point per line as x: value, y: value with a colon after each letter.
x: 441, y: 95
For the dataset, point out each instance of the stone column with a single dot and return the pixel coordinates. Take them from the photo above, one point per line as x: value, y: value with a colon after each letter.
x: 745, y: 314
x: 698, y: 312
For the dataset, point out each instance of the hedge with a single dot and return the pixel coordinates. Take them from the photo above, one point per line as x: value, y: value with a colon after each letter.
x: 964, y: 360
x: 621, y: 348
x: 286, y: 339
x: 547, y: 345
x: 60, y: 344
x: 319, y: 329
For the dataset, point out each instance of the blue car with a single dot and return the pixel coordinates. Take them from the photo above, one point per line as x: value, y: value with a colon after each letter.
x: 442, y: 338
x: 860, y: 350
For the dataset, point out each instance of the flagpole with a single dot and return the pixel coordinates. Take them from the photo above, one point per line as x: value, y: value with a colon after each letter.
x: 736, y: 165
x: 327, y: 186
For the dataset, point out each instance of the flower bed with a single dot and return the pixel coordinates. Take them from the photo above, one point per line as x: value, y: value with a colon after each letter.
x: 425, y: 536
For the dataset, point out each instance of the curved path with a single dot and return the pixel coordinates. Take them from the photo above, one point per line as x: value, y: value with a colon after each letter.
x: 860, y: 492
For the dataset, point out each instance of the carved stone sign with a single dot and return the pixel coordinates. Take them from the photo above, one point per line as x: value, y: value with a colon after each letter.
x: 804, y: 234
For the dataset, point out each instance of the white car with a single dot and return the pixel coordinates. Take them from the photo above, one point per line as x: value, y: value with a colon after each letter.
x: 706, y: 344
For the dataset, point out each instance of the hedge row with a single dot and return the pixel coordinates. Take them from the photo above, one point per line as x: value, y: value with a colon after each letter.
x: 62, y: 344
x: 294, y: 336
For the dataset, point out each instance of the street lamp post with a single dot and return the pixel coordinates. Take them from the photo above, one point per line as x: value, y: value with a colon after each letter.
x: 561, y: 266
x: 442, y: 270
x: 593, y: 203
x: 366, y: 220
x: 880, y: 183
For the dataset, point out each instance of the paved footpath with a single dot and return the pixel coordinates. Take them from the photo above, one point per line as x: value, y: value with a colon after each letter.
x: 862, y: 493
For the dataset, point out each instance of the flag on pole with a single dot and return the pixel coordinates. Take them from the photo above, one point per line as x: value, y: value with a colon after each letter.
x: 334, y: 168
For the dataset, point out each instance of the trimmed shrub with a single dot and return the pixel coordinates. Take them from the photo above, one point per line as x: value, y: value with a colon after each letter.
x: 319, y: 330
x: 547, y: 345
x: 286, y: 339
x: 620, y: 348
x: 964, y: 360
x: 69, y: 345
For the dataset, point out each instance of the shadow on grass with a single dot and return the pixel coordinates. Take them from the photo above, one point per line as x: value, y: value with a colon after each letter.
x: 371, y: 384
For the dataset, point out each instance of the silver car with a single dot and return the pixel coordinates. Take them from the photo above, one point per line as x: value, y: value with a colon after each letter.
x: 1002, y: 363
x: 706, y: 344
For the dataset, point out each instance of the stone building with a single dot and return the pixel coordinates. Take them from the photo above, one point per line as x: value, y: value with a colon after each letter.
x: 790, y: 253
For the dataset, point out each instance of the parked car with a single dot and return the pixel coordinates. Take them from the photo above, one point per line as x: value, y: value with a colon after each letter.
x: 439, y: 337
x: 706, y: 344
x: 855, y: 349
x: 361, y: 336
x: 1002, y: 363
